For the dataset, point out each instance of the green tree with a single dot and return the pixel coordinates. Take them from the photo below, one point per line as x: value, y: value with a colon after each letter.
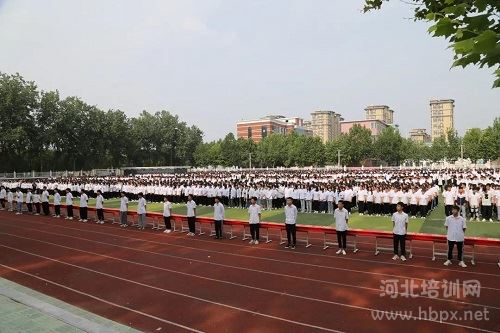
x: 471, y: 143
x: 472, y: 28
x: 387, y: 146
x: 439, y: 149
x: 454, y: 143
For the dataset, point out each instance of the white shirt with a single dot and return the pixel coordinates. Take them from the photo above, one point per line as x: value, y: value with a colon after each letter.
x: 449, y: 198
x: 218, y: 212
x: 99, y: 202
x: 167, y: 207
x: 341, y: 217
x: 400, y: 221
x: 45, y: 196
x: 69, y: 199
x: 57, y: 199
x: 123, y: 204
x: 83, y: 200
x: 253, y: 212
x: 456, y: 226
x: 290, y: 214
x: 141, y: 206
x: 191, y: 206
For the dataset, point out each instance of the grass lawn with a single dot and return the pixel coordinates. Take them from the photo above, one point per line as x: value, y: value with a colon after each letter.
x: 432, y: 224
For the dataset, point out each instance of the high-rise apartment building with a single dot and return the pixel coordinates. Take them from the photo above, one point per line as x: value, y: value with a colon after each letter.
x: 441, y: 117
x: 379, y: 112
x: 325, y: 124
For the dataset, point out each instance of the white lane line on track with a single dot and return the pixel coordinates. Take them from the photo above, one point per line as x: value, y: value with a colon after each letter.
x: 181, y: 294
x: 102, y: 300
x: 349, y: 258
x: 241, y: 309
x: 235, y: 267
x: 272, y: 259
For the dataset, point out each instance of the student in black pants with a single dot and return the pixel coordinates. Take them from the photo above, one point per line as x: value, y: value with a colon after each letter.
x: 455, y: 234
x: 290, y: 223
x: 400, y: 227
x: 218, y: 217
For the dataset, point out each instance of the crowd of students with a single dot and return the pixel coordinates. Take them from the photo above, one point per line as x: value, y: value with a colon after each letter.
x: 371, y: 192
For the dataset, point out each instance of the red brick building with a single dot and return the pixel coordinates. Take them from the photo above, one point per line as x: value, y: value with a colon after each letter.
x: 260, y: 128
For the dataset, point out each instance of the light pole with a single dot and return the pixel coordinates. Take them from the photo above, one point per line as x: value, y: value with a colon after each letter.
x: 338, y: 158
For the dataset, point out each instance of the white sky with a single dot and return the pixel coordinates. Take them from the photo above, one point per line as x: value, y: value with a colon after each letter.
x: 214, y: 62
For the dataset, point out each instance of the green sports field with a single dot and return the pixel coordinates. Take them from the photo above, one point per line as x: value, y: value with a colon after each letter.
x: 432, y: 224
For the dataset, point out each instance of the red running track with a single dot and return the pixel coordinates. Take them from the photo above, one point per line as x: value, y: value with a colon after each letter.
x: 149, y: 280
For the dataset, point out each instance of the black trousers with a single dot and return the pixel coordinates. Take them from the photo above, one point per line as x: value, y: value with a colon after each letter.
x: 218, y: 228
x: 45, y: 207
x: 168, y: 224
x: 83, y: 213
x: 361, y: 206
x: 57, y: 210
x: 399, y: 242
x: 423, y: 210
x: 342, y: 239
x: 447, y: 210
x: 2, y: 202
x: 192, y: 224
x: 254, y: 230
x: 69, y: 210
x: 460, y: 246
x: 100, y: 214
x: 291, y: 234
x: 30, y: 207
x: 37, y: 207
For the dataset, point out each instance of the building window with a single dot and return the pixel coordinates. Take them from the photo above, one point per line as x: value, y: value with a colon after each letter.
x: 264, y: 131
x: 249, y: 132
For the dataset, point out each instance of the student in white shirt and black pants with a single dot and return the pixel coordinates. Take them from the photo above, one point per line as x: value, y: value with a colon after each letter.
x: 191, y: 215
x: 57, y: 204
x: 290, y: 223
x: 455, y: 234
x: 218, y: 217
x: 45, y: 201
x: 341, y: 216
x: 69, y: 204
x: 99, y: 206
x: 254, y: 214
x: 167, y: 208
x: 400, y: 227
x: 141, y: 211
x: 83, y: 206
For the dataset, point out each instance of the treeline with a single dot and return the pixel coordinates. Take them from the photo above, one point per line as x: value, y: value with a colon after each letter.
x: 41, y: 131
x: 355, y: 148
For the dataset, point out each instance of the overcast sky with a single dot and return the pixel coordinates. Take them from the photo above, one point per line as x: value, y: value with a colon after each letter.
x: 214, y: 62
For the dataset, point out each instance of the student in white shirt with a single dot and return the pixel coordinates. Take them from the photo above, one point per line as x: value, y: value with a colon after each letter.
x: 290, y: 223
x: 191, y: 215
x: 455, y: 234
x: 254, y: 213
x: 36, y: 202
x: 449, y: 200
x: 218, y: 217
x: 99, y: 206
x: 123, y: 210
x: 45, y: 201
x: 141, y: 211
x: 57, y: 204
x: 19, y: 201
x: 3, y: 194
x: 84, y: 199
x: 167, y: 212
x: 10, y: 199
x: 69, y: 204
x: 400, y: 227
x: 29, y: 198
x: 341, y: 216
x: 486, y: 206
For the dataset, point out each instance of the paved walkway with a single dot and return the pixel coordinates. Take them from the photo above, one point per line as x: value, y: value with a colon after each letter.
x: 23, y: 310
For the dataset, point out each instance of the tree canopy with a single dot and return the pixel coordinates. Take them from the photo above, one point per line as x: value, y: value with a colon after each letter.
x: 41, y: 131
